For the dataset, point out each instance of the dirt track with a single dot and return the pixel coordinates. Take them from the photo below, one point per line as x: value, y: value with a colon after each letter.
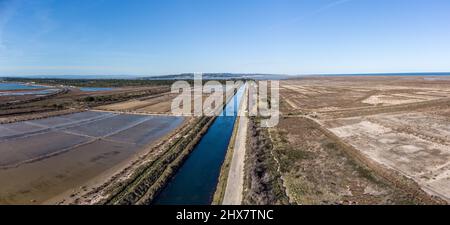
x: 235, y: 180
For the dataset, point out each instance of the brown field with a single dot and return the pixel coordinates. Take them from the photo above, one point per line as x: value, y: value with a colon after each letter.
x: 364, y: 140
x: 12, y: 108
x: 138, y: 104
x: 336, y: 94
x: 157, y: 104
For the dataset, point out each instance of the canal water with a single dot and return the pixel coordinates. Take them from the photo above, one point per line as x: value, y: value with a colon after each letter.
x: 196, y: 180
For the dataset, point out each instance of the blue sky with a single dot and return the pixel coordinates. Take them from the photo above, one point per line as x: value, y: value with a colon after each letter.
x: 139, y: 37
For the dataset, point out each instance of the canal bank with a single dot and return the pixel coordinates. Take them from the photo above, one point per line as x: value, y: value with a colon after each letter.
x: 235, y: 179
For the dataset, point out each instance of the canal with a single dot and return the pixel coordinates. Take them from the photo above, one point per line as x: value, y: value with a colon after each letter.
x: 196, y: 180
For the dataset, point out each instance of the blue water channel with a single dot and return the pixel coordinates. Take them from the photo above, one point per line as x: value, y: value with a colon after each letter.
x: 93, y: 89
x: 196, y: 180
x: 17, y: 86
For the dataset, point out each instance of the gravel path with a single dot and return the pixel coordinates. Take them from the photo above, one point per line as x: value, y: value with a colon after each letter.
x: 235, y: 180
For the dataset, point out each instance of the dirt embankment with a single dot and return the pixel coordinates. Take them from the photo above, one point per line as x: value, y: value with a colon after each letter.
x: 34, y: 99
x: 262, y: 184
x: 409, y: 107
x: 36, y: 116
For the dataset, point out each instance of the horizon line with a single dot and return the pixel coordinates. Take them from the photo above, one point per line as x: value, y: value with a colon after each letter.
x: 230, y: 73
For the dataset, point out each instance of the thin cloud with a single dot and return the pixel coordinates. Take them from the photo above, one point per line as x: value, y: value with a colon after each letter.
x: 46, y: 23
x: 323, y: 9
x: 7, y: 11
x: 315, y: 12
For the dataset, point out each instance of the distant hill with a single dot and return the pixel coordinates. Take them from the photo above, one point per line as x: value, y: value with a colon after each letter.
x: 213, y: 76
x: 219, y: 76
x: 182, y: 76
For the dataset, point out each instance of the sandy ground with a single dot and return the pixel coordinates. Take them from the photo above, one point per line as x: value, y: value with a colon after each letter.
x: 416, y: 144
x: 401, y: 123
x: 235, y: 180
